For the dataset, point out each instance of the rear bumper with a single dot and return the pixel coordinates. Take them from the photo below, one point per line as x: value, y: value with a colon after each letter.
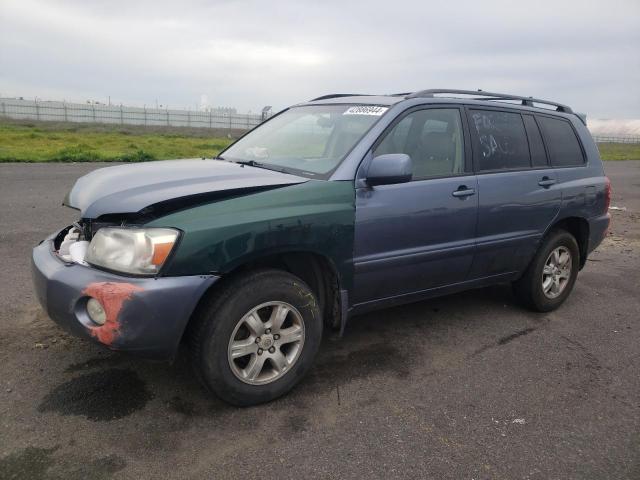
x: 145, y: 316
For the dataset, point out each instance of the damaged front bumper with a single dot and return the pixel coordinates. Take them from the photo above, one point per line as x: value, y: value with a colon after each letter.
x: 145, y: 316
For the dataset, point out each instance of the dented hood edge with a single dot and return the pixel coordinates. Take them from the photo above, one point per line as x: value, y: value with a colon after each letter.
x: 156, y: 188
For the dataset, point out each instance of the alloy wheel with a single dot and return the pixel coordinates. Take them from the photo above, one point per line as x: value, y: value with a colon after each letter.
x: 266, y: 343
x: 556, y: 272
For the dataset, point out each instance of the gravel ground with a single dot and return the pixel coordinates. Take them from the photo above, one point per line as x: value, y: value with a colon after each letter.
x: 468, y: 386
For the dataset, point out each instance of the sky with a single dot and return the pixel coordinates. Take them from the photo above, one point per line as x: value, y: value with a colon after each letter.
x: 248, y: 54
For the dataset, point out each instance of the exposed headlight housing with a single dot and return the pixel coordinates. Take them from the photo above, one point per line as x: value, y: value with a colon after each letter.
x: 139, y: 251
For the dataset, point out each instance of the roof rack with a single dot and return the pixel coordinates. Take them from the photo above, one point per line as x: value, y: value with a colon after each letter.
x: 489, y: 96
x: 338, y: 95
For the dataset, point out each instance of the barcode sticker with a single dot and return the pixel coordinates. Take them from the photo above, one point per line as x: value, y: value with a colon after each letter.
x: 366, y: 110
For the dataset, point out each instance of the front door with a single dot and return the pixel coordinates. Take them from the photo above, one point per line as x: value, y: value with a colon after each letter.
x: 415, y: 236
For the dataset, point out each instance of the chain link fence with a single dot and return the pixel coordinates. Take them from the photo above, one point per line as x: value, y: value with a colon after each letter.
x: 617, y: 138
x: 18, y: 109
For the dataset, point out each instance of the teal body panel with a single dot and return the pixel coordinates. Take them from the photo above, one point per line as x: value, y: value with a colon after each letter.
x: 316, y: 217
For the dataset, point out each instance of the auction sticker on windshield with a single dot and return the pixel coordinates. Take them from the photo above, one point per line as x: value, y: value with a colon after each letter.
x: 365, y: 110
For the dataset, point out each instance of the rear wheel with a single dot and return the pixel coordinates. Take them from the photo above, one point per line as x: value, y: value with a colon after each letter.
x: 550, y: 277
x: 257, y: 337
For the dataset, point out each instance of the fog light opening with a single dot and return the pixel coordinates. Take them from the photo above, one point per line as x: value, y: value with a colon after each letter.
x: 96, y: 312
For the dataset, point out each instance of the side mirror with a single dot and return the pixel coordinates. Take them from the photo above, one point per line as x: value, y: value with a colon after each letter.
x: 389, y: 169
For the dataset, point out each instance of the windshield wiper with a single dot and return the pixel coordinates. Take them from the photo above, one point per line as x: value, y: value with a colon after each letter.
x: 251, y: 163
x: 266, y: 166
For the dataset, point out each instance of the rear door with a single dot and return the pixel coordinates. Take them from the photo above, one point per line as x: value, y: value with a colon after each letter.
x: 518, y: 192
x: 419, y: 235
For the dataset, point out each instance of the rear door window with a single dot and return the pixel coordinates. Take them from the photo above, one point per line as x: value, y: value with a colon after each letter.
x: 499, y: 140
x: 538, y: 154
x: 562, y: 143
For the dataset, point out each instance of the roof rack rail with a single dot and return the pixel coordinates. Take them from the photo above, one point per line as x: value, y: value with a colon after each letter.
x: 338, y: 95
x: 489, y: 96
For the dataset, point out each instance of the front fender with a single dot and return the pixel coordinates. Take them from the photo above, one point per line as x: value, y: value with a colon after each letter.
x: 316, y: 216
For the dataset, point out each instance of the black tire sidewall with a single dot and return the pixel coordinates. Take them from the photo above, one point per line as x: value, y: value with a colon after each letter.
x: 554, y: 240
x: 257, y: 289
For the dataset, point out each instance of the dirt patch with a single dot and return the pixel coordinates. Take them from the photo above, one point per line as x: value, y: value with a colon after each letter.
x: 342, y: 367
x: 106, y: 361
x: 31, y: 463
x: 34, y: 463
x: 513, y: 336
x: 504, y: 340
x: 100, y: 396
x: 182, y: 406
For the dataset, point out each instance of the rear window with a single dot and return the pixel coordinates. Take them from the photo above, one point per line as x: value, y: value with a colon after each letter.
x: 538, y: 155
x: 499, y: 140
x: 562, y: 143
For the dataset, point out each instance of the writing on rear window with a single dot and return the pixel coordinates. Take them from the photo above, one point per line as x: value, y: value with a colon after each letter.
x: 500, y: 139
x: 365, y: 110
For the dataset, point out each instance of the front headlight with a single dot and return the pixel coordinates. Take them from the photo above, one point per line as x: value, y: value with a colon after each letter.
x: 140, y: 251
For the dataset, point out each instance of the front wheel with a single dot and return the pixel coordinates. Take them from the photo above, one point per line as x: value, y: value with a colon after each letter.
x: 550, y: 277
x: 256, y: 338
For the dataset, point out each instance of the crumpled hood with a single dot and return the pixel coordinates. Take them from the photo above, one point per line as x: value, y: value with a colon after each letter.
x: 130, y: 188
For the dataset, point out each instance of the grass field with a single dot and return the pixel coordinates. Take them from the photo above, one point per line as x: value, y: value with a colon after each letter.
x: 619, y: 151
x: 67, y: 142
x: 71, y: 142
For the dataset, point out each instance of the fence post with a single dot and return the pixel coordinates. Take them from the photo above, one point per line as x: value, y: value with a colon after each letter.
x: 93, y: 112
x: 209, y: 118
x: 4, y: 109
x: 188, y: 118
x: 121, y: 116
x: 167, y: 117
x: 37, y: 110
x: 145, y: 115
x: 64, y: 107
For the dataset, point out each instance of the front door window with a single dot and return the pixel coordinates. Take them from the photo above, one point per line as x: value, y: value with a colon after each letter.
x: 433, y: 140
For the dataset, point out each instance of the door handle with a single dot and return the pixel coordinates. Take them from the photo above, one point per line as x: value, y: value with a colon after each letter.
x: 546, y: 182
x: 463, y: 191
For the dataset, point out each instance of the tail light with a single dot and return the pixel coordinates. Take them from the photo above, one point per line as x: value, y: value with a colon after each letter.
x: 607, y: 194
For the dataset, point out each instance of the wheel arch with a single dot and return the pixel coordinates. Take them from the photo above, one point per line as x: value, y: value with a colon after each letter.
x: 579, y: 228
x: 318, y: 271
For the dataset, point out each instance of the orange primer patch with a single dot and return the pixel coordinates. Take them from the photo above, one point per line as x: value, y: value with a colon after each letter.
x: 112, y: 297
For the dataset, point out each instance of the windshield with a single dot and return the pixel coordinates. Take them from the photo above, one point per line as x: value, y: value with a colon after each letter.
x: 310, y: 140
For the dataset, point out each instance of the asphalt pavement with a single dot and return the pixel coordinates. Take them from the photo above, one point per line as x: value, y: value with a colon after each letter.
x: 469, y: 386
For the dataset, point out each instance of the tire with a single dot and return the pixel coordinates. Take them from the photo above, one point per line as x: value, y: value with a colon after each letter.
x: 234, y: 354
x: 530, y: 288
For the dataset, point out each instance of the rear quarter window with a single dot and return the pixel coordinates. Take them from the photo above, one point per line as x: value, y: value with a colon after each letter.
x: 499, y: 140
x: 562, y: 142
